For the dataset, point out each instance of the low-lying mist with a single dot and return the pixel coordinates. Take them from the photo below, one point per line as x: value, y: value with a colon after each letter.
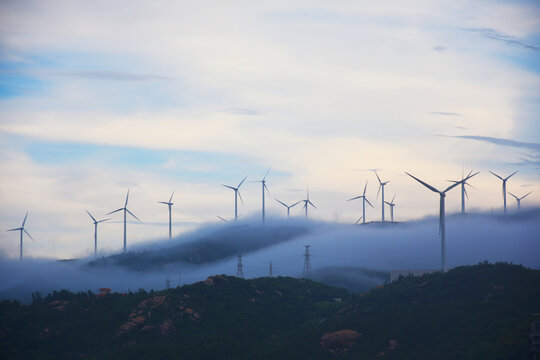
x: 354, y: 256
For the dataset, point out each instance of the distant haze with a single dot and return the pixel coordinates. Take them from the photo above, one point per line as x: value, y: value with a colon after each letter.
x: 377, y: 248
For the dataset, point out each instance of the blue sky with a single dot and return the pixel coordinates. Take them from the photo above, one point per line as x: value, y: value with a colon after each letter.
x: 97, y: 98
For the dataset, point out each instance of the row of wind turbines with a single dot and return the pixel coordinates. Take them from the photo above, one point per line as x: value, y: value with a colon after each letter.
x: 307, y: 202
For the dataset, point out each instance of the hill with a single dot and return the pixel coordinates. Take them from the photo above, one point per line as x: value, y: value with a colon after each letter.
x: 471, y: 312
x: 210, y: 247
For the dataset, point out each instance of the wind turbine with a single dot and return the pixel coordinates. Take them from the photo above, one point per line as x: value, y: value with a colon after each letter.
x: 169, y: 204
x: 236, y: 195
x: 222, y: 219
x: 96, y: 222
x: 307, y: 202
x: 22, y: 229
x: 364, y: 200
x: 125, y: 215
x: 264, y: 187
x: 518, y: 199
x: 503, y: 187
x: 442, y: 225
x: 463, y: 189
x: 288, y: 206
x: 381, y: 186
x: 391, y: 204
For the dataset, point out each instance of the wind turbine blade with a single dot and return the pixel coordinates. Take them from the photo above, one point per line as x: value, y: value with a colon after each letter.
x: 268, y: 191
x: 310, y: 203
x: 170, y: 199
x: 307, y: 190
x: 515, y: 197
x: 281, y: 202
x: 296, y: 203
x: 425, y: 184
x: 163, y: 202
x: 496, y: 175
x: 524, y: 196
x: 511, y: 175
x: 378, y: 191
x: 130, y: 213
x: 265, y: 175
x: 127, y: 197
x: 365, y: 187
x: 387, y: 203
x: 230, y: 187
x: 112, y: 212
x: 470, y: 176
x: 466, y: 195
x: 17, y: 229
x: 357, y: 197
x: 393, y: 199
x: 91, y: 215
x: 470, y: 186
x: 24, y: 221
x: 222, y: 219
x: 378, y: 178
x: 368, y: 201
x: 28, y: 234
x: 452, y: 186
x: 241, y: 182
x: 360, y: 218
x: 100, y: 221
x: 240, y: 196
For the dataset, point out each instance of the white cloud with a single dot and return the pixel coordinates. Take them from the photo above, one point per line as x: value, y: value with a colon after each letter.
x: 314, y: 89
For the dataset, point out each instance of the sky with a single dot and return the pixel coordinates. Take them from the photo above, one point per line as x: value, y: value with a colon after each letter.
x: 96, y: 98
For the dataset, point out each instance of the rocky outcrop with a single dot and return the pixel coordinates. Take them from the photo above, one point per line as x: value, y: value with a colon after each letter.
x: 339, y: 341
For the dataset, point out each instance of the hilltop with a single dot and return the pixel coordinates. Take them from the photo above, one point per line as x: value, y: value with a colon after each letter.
x: 206, y: 248
x: 471, y: 312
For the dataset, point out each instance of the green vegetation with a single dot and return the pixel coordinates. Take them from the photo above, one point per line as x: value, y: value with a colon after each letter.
x: 217, y: 245
x: 470, y: 312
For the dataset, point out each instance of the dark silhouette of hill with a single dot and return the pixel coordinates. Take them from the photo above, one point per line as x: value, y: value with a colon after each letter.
x: 471, y: 312
x: 213, y: 246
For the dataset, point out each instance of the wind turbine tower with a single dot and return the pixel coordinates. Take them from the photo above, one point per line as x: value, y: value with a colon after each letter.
x: 236, y: 195
x: 22, y: 229
x: 126, y: 211
x: 96, y: 222
x: 288, y: 206
x: 307, y: 202
x: 169, y: 204
x: 463, y: 189
x: 264, y: 187
x: 518, y: 199
x: 503, y: 187
x: 442, y: 225
x: 364, y: 200
x: 391, y: 204
x: 381, y: 186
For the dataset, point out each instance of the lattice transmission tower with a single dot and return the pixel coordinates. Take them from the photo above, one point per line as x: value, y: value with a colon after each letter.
x: 240, y: 268
x: 306, y: 273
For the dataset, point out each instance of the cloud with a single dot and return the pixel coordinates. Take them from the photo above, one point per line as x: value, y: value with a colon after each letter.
x: 113, y: 75
x: 241, y: 111
x: 444, y: 113
x: 502, y: 142
x: 507, y: 39
x: 413, y: 245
